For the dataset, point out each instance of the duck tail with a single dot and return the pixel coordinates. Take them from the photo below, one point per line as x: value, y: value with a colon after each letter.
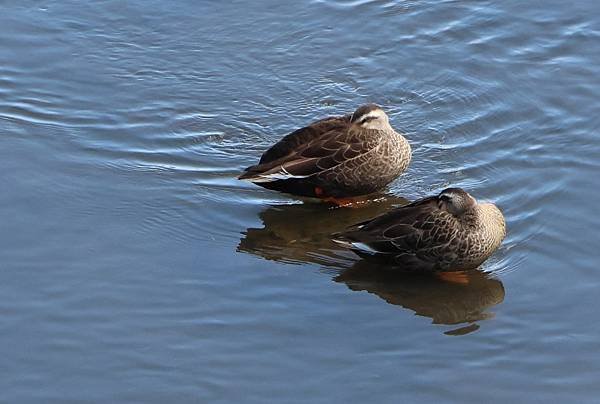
x: 342, y: 242
x: 346, y: 240
x: 247, y: 176
x: 252, y: 174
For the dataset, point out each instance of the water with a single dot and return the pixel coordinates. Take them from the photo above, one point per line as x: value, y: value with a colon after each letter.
x: 135, y: 268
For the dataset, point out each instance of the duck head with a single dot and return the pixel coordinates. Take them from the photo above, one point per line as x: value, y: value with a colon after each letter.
x: 370, y: 116
x: 456, y: 201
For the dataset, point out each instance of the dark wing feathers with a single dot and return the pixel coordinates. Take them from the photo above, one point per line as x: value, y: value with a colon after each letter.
x: 310, y: 150
x: 410, y: 229
x: 409, y: 214
x: 350, y: 153
x: 299, y: 167
x: 297, y: 138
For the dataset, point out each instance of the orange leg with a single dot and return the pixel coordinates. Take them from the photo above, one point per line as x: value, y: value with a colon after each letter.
x: 459, y: 277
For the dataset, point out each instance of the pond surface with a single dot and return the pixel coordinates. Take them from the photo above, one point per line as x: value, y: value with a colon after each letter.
x: 134, y: 267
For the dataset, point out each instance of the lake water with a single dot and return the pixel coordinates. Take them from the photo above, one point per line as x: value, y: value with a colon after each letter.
x: 134, y: 267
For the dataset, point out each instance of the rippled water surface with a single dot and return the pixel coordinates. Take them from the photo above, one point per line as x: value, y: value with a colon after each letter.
x: 134, y: 267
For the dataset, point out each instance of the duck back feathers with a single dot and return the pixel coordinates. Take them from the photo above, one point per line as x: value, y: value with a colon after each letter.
x: 425, y: 235
x: 334, y: 157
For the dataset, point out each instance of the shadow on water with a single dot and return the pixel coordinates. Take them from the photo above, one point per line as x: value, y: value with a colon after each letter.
x: 301, y: 233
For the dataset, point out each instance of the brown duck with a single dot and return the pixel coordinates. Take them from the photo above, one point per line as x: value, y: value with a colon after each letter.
x: 447, y: 232
x: 336, y: 157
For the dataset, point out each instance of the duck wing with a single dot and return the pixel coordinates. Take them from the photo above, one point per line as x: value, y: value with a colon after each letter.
x: 302, y: 136
x: 415, y: 233
x: 308, y: 151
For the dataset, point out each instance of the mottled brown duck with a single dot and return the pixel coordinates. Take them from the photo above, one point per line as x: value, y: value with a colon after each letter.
x: 334, y: 158
x: 447, y: 232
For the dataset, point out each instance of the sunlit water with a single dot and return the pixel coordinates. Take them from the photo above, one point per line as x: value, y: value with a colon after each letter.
x: 134, y: 267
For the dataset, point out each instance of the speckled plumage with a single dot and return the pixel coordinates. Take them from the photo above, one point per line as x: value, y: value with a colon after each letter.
x: 336, y: 157
x: 450, y: 231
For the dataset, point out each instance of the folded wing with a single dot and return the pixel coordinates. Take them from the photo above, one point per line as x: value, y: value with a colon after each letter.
x: 409, y: 234
x: 308, y: 151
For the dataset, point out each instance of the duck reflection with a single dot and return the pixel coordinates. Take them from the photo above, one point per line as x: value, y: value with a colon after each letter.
x: 302, y: 233
x: 465, y: 301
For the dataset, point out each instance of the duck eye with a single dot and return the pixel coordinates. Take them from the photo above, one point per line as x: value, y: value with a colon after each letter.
x: 445, y: 198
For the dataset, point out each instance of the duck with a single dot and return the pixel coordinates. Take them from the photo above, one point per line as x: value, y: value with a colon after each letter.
x: 335, y: 158
x: 447, y: 232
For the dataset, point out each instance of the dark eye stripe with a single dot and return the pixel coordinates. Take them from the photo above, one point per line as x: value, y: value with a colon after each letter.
x: 368, y: 119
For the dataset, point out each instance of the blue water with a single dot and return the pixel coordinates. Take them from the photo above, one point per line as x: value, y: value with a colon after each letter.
x: 134, y: 267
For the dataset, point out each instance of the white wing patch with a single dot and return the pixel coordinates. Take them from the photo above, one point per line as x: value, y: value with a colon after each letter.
x: 356, y: 245
x: 364, y: 247
x: 282, y: 174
